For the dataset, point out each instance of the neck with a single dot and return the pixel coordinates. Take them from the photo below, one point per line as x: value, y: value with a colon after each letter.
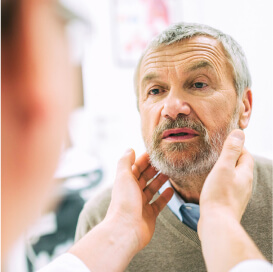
x: 189, y: 187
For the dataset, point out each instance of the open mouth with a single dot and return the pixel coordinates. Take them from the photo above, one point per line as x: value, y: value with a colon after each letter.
x: 179, y: 134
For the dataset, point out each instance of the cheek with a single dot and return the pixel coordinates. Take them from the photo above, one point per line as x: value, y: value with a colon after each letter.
x: 215, y: 113
x: 150, y: 118
x: 144, y: 125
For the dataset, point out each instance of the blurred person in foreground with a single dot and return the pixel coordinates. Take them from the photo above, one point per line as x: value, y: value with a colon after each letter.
x: 193, y: 87
x: 36, y: 94
x: 37, y: 88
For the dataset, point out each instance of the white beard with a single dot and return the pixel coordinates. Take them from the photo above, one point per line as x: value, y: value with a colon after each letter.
x: 170, y: 160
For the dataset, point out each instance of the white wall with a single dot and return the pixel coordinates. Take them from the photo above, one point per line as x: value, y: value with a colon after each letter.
x: 111, y: 123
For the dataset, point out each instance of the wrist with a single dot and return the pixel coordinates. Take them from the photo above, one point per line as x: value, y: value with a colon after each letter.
x: 121, y: 233
x: 214, y: 218
x: 109, y: 246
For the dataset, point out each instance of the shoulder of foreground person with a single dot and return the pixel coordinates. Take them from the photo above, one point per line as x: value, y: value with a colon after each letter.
x: 66, y: 262
x: 253, y: 266
x: 93, y: 212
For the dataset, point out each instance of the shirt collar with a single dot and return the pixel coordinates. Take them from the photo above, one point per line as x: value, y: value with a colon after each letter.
x: 176, y: 201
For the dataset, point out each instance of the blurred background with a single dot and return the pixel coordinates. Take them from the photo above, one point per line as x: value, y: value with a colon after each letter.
x: 106, y: 39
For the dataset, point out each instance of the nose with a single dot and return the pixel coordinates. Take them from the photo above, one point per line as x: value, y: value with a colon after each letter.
x: 174, y: 105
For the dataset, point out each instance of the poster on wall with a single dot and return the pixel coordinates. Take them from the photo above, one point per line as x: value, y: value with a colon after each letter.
x: 136, y: 22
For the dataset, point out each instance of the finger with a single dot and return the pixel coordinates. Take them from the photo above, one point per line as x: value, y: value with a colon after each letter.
x: 232, y: 148
x: 125, y: 162
x: 244, y: 173
x: 140, y: 165
x: 245, y: 166
x: 162, y: 201
x: 147, y: 175
x: 245, y: 159
x: 154, y: 186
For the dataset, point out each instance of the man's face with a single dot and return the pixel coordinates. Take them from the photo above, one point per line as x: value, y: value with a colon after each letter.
x: 188, y: 105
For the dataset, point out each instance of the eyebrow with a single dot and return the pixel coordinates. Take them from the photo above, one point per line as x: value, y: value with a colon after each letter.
x: 199, y: 65
x: 148, y: 78
x: 193, y: 67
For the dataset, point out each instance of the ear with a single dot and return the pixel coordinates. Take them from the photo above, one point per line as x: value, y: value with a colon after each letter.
x: 245, y: 109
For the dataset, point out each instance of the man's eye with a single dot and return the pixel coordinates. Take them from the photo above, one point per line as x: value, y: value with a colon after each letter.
x: 199, y: 85
x: 154, y: 91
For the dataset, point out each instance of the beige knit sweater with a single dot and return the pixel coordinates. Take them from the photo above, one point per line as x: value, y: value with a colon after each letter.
x: 174, y: 246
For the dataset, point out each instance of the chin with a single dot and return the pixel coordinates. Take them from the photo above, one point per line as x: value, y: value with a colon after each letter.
x: 179, y: 164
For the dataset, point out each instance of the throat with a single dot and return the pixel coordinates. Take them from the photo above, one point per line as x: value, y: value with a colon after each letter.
x: 189, y: 188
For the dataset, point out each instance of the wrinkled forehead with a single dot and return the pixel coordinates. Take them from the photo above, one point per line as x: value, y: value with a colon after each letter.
x: 199, y: 50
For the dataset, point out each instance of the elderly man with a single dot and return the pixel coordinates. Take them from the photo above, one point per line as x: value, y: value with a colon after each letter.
x: 31, y: 104
x: 193, y: 88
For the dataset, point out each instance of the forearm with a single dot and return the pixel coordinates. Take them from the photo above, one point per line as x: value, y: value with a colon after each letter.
x: 110, y: 246
x: 224, y: 242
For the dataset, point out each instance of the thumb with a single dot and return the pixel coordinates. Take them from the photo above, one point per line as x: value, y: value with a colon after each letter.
x: 126, y: 161
x: 233, y: 147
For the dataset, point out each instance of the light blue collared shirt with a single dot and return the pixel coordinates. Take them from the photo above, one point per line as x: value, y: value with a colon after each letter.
x: 176, y: 201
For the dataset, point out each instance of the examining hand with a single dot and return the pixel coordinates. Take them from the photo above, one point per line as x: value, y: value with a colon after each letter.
x: 130, y: 220
x: 131, y: 197
x: 223, y: 200
x: 228, y: 187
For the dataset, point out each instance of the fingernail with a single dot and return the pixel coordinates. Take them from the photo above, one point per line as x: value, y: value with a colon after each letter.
x: 238, y: 134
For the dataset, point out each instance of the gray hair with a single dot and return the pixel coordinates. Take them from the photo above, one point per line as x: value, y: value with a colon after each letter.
x: 181, y: 31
